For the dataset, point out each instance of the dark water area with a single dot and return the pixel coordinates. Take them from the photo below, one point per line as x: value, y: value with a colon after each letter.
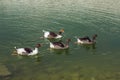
x: 21, y: 25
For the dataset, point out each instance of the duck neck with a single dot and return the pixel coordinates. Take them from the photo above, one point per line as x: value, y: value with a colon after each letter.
x: 60, y: 33
x: 67, y: 43
x: 94, y: 38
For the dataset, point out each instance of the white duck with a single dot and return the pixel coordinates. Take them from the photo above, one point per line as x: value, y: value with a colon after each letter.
x: 52, y: 35
x: 27, y: 51
x: 60, y: 45
x: 87, y: 40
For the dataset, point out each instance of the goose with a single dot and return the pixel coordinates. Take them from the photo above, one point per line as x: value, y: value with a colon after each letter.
x: 52, y: 35
x: 27, y: 51
x: 60, y: 45
x: 87, y: 40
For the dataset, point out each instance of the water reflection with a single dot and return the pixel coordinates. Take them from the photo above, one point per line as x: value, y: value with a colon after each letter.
x: 57, y: 51
x: 89, y: 47
x: 37, y: 58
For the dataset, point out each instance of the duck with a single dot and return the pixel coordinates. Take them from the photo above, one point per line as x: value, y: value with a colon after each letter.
x: 27, y: 51
x: 87, y: 40
x: 53, y: 35
x: 60, y: 45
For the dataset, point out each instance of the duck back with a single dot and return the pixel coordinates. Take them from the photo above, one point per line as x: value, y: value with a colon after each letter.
x: 53, y: 34
x: 28, y: 50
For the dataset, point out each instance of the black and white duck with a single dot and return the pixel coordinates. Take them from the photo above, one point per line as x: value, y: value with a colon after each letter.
x: 60, y: 45
x: 87, y: 40
x: 53, y: 35
x: 27, y: 51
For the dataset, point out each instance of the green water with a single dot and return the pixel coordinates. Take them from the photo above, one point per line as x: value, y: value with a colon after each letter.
x: 21, y: 25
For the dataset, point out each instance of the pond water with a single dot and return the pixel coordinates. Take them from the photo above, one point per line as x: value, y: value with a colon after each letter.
x: 21, y: 25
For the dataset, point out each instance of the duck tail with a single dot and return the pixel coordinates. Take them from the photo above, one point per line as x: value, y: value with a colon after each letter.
x: 15, y: 47
x: 76, y: 37
x: 44, y: 31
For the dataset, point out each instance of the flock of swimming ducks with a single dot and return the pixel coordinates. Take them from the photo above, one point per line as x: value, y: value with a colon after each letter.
x: 55, y: 44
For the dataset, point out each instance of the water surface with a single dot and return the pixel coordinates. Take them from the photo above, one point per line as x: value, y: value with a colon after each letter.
x: 21, y: 25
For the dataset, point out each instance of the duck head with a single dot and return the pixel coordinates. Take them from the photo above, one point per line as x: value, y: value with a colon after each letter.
x: 61, y: 31
x: 67, y: 41
x: 38, y: 45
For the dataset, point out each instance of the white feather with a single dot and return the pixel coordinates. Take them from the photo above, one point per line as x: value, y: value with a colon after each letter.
x: 21, y: 51
x: 51, y: 45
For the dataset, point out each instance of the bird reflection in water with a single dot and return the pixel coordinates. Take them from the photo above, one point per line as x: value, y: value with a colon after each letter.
x: 57, y: 51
